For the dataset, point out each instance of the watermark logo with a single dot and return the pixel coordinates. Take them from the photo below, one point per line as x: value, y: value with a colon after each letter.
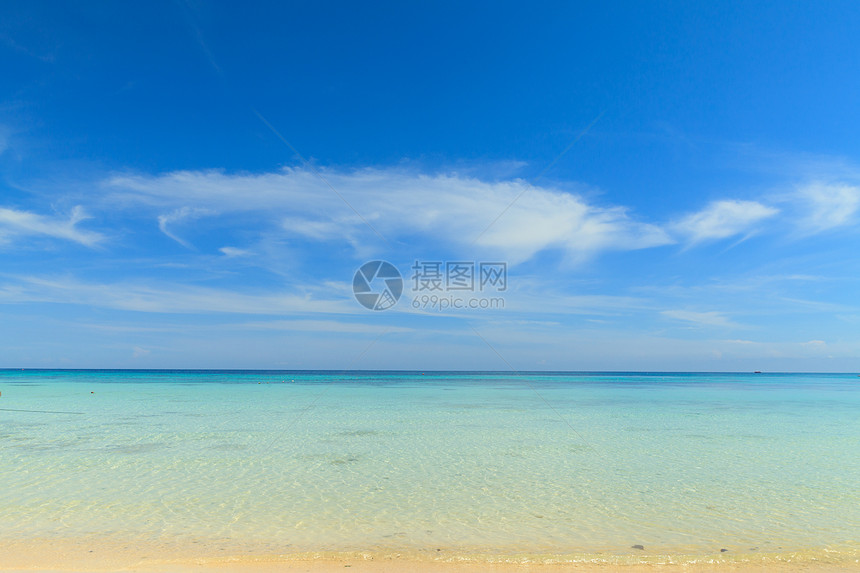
x: 430, y: 276
x: 436, y: 285
x: 377, y: 285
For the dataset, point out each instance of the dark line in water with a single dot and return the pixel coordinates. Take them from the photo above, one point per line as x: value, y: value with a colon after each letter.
x: 320, y: 395
x: 41, y: 411
x: 539, y: 395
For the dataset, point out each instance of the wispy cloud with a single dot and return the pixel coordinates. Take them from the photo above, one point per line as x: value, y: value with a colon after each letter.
x: 724, y: 219
x: 449, y: 208
x: 181, y: 214
x: 316, y: 229
x: 323, y: 326
x: 557, y: 220
x: 138, y: 352
x: 820, y: 192
x: 15, y: 224
x: 327, y: 297
x: 825, y: 206
x: 171, y: 298
x: 711, y: 318
x: 192, y: 13
x: 18, y: 47
x: 231, y: 252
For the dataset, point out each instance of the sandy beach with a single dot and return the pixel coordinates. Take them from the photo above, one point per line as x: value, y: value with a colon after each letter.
x: 84, y: 556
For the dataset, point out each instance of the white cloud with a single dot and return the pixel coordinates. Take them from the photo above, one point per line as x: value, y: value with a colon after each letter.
x: 450, y: 208
x: 14, y: 223
x: 544, y: 219
x: 323, y: 326
x: 174, y: 299
x: 827, y: 206
x: 138, y: 352
x: 181, y: 214
x: 327, y: 297
x: 723, y: 219
x: 231, y: 252
x: 319, y: 230
x: 711, y: 318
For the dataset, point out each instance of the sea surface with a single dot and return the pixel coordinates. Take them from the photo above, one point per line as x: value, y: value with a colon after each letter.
x: 448, y: 465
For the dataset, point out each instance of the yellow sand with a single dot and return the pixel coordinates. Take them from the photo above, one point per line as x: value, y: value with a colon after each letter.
x: 83, y: 556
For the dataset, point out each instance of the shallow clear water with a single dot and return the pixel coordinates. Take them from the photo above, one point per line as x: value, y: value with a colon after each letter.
x: 526, y: 464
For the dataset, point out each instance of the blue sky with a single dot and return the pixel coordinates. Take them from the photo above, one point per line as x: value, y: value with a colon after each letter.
x: 672, y: 186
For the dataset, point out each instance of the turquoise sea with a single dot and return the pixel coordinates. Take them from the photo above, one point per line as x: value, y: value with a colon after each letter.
x: 449, y: 465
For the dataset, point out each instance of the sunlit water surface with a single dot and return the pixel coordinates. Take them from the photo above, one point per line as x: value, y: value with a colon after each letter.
x: 446, y: 463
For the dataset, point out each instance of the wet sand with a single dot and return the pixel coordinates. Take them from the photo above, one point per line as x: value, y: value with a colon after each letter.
x: 84, y: 557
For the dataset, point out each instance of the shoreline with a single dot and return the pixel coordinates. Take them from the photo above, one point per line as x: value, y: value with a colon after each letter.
x: 101, y: 556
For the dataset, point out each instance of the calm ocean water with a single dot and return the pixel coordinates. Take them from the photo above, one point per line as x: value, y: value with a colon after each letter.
x: 452, y: 464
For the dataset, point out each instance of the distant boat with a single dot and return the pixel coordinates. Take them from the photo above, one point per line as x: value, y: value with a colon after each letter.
x: 757, y: 372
